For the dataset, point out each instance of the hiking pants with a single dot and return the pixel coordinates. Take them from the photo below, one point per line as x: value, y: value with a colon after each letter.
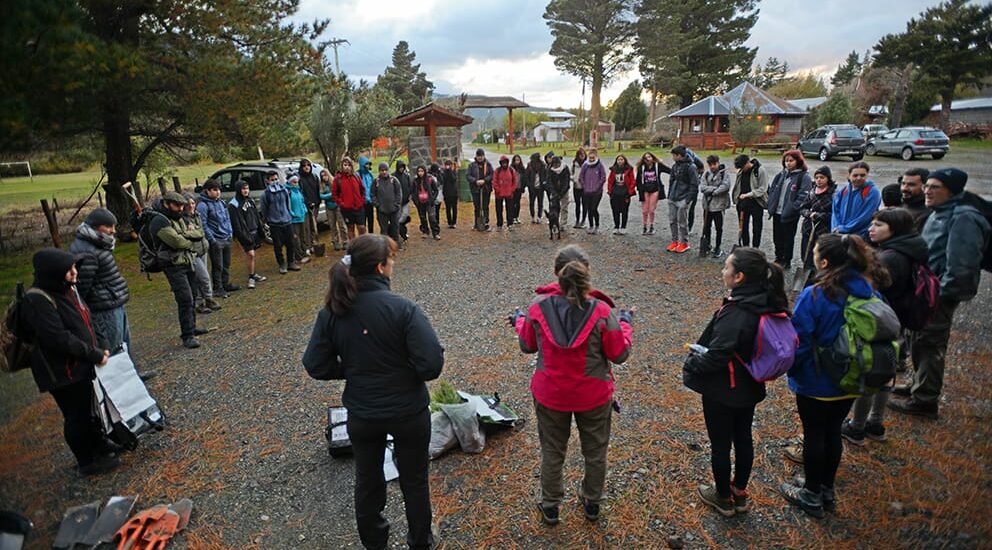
x: 822, y: 445
x: 504, y: 204
x: 181, y: 280
x: 621, y: 211
x: 428, y: 220
x: 370, y: 216
x: 750, y: 213
x: 203, y: 288
x: 929, y: 350
x: 389, y: 224
x: 282, y: 239
x: 411, y: 437
x: 580, y: 213
x: 784, y: 235
x: 79, y: 427
x: 220, y: 265
x: 590, y: 202
x: 339, y: 233
x: 517, y: 197
x: 648, y: 208
x: 299, y: 239
x: 451, y: 210
x: 553, y: 429
x: 536, y: 195
x: 678, y: 219
x: 725, y: 426
x: 712, y: 220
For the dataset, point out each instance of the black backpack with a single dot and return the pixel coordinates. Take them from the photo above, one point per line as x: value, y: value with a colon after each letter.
x: 984, y: 207
x: 151, y: 256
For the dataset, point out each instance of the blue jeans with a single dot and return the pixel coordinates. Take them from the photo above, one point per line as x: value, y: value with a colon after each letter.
x: 111, y: 328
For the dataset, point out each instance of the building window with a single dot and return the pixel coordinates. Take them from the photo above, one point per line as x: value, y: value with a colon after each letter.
x: 697, y: 125
x: 724, y: 124
x: 710, y: 125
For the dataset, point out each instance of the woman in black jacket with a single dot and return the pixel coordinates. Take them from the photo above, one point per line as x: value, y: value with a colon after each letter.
x: 815, y: 211
x: 246, y: 222
x: 517, y: 164
x: 730, y: 394
x: 63, y: 364
x: 534, y: 178
x: 384, y: 347
x: 785, y: 197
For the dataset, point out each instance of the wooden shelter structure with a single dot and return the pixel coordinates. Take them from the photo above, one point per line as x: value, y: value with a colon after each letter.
x: 430, y: 117
x: 497, y: 102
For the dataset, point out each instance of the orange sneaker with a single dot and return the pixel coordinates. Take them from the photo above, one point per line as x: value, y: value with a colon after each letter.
x: 672, y: 246
x: 683, y: 247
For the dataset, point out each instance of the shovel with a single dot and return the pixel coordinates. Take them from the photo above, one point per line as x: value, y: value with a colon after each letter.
x: 802, y: 272
x: 740, y: 229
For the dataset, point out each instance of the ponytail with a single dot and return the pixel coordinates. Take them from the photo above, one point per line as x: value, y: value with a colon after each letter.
x: 756, y: 268
x: 343, y: 291
x: 843, y: 253
x: 575, y: 283
x: 364, y: 255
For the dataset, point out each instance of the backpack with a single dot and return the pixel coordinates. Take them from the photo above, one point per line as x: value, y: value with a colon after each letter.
x: 16, y: 349
x: 984, y: 208
x: 151, y: 257
x: 774, y: 348
x: 917, y: 308
x: 863, y: 357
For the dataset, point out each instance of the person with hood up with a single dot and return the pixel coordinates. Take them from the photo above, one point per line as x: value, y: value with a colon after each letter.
x: 365, y: 173
x: 786, y: 194
x: 403, y: 176
x: 855, y: 203
x: 749, y: 194
x: 310, y: 185
x: 715, y: 189
x: 504, y: 186
x: 559, y: 186
x: 247, y: 224
x: 592, y: 175
x: 577, y: 162
x: 64, y: 362
x: 563, y: 197
x: 276, y: 210
x: 387, y: 195
x: 216, y: 222
x: 480, y: 184
x: 350, y: 195
x: 517, y: 163
x: 730, y: 394
x: 298, y: 219
x: 535, y: 194
x: 449, y: 188
x: 620, y: 187
x: 339, y: 233
x: 424, y: 193
x: 650, y: 188
x: 816, y: 211
x: 577, y: 335
x: 844, y: 266
x: 682, y: 189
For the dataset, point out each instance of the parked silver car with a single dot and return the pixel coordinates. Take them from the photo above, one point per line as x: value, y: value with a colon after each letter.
x: 832, y: 140
x: 909, y: 142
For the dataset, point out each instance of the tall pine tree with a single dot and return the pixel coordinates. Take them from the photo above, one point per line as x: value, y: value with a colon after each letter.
x: 847, y: 71
x: 405, y: 80
x: 591, y: 41
x: 693, y: 48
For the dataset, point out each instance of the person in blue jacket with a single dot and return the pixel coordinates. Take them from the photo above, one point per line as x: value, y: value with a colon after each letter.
x: 855, y: 203
x: 367, y: 177
x: 216, y: 221
x: 845, y: 266
x: 298, y: 218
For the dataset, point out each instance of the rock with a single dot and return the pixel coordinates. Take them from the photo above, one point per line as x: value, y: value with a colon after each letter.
x: 265, y: 518
x: 302, y: 537
x: 642, y: 471
x: 897, y: 509
x: 675, y: 542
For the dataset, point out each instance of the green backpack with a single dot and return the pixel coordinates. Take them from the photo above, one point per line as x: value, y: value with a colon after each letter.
x: 863, y: 357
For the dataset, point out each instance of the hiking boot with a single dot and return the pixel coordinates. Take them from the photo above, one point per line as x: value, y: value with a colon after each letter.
x: 810, y: 502
x: 672, y: 246
x: 725, y: 506
x: 200, y: 331
x: 794, y: 453
x: 212, y: 304
x: 549, y: 515
x: 852, y: 434
x: 903, y: 390
x: 740, y: 499
x: 251, y: 283
x: 203, y: 309
x: 829, y: 498
x: 231, y: 288
x: 294, y: 267
x: 101, y: 465
x: 590, y: 509
x: 875, y: 431
x: 914, y: 407
x: 191, y: 343
x: 282, y: 270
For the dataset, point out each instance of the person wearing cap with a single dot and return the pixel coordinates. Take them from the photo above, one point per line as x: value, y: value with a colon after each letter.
x: 216, y: 221
x: 173, y: 233
x: 480, y: 183
x: 203, y: 293
x: 53, y: 314
x: 956, y: 233
x: 387, y: 197
x: 247, y: 224
x: 856, y: 202
x: 504, y: 185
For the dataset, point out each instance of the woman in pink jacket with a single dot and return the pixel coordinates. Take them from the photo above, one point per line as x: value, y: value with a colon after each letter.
x: 576, y: 334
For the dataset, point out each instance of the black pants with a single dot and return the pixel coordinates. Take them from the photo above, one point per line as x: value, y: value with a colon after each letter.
x: 411, y: 437
x: 536, y: 196
x: 590, y: 201
x: 389, y: 224
x: 282, y: 239
x: 822, y: 446
x: 621, y: 211
x: 518, y: 195
x: 750, y: 213
x: 370, y: 216
x: 504, y: 204
x: 784, y: 235
x: 451, y: 210
x: 480, y: 202
x: 182, y: 279
x: 80, y: 428
x: 580, y: 213
x: 712, y: 219
x: 808, y: 243
x: 428, y: 219
x: 220, y: 265
x: 725, y: 426
x: 692, y: 210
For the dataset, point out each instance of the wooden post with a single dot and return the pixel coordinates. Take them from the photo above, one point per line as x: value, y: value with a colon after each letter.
x: 99, y: 198
x: 509, y: 137
x: 432, y: 134
x: 53, y: 224
x: 196, y: 182
x: 161, y: 186
x: 176, y: 184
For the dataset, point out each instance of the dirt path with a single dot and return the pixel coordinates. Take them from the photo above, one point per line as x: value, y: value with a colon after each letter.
x: 245, y: 440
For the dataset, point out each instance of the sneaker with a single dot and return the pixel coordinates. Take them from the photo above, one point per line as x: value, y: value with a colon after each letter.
x: 305, y: 260
x: 914, y: 407
x: 251, y: 283
x: 101, y: 465
x: 740, y: 499
x: 590, y: 509
x: 294, y: 267
x: 191, y: 343
x: 212, y: 304
x: 548, y: 515
x: 616, y: 230
x: 725, y: 506
x: 644, y: 230
x: 810, y: 502
x: 852, y: 434
x: 651, y: 230
x: 829, y: 498
x: 437, y: 237
x: 203, y: 309
x: 578, y: 226
x: 200, y: 331
x: 221, y: 295
x: 682, y: 247
x: 282, y: 270
x: 875, y: 431
x: 623, y: 230
x: 716, y: 253
x: 232, y: 288
x: 672, y: 246
x: 794, y: 453
x: 257, y: 278
x: 903, y: 390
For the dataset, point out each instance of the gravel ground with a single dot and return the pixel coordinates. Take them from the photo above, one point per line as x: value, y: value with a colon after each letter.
x: 245, y: 440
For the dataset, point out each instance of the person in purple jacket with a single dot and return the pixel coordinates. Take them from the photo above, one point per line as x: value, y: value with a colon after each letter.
x: 592, y: 177
x: 856, y: 203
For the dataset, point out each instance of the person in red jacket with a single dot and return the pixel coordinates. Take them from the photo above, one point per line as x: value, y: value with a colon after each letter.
x: 504, y: 186
x: 576, y: 334
x: 620, y: 186
x: 349, y: 193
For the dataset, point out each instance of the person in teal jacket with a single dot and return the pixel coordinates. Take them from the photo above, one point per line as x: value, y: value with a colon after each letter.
x: 298, y: 218
x: 365, y: 173
x: 855, y: 203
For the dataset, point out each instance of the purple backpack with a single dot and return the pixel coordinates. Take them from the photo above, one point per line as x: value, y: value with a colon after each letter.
x: 774, y: 349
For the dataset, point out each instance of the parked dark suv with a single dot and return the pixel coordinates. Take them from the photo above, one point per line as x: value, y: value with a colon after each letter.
x: 833, y: 140
x: 909, y: 142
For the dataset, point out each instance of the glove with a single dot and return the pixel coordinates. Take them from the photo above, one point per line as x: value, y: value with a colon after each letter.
x: 626, y: 315
x: 512, y: 319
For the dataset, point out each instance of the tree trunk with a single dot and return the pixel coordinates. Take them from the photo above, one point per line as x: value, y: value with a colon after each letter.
x: 899, y: 99
x: 654, y: 105
x: 945, y: 108
x: 117, y: 144
x: 597, y: 88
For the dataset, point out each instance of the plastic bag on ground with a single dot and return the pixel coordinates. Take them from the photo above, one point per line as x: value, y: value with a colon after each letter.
x: 465, y: 423
x: 442, y: 435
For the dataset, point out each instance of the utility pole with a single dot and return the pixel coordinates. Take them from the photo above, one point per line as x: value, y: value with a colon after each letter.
x: 334, y: 43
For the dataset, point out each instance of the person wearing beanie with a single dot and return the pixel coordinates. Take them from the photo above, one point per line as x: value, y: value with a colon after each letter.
x: 387, y: 197
x: 957, y: 235
x: 480, y: 183
x: 856, y: 203
x: 815, y: 211
x: 449, y: 189
x: 562, y: 199
x: 53, y: 313
x: 99, y: 280
x: 911, y: 186
x: 715, y: 188
x: 558, y: 189
x: 504, y: 185
x: 216, y: 221
x: 786, y: 193
x: 247, y: 224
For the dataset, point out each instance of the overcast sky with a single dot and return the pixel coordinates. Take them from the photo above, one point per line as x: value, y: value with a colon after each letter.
x: 500, y: 47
